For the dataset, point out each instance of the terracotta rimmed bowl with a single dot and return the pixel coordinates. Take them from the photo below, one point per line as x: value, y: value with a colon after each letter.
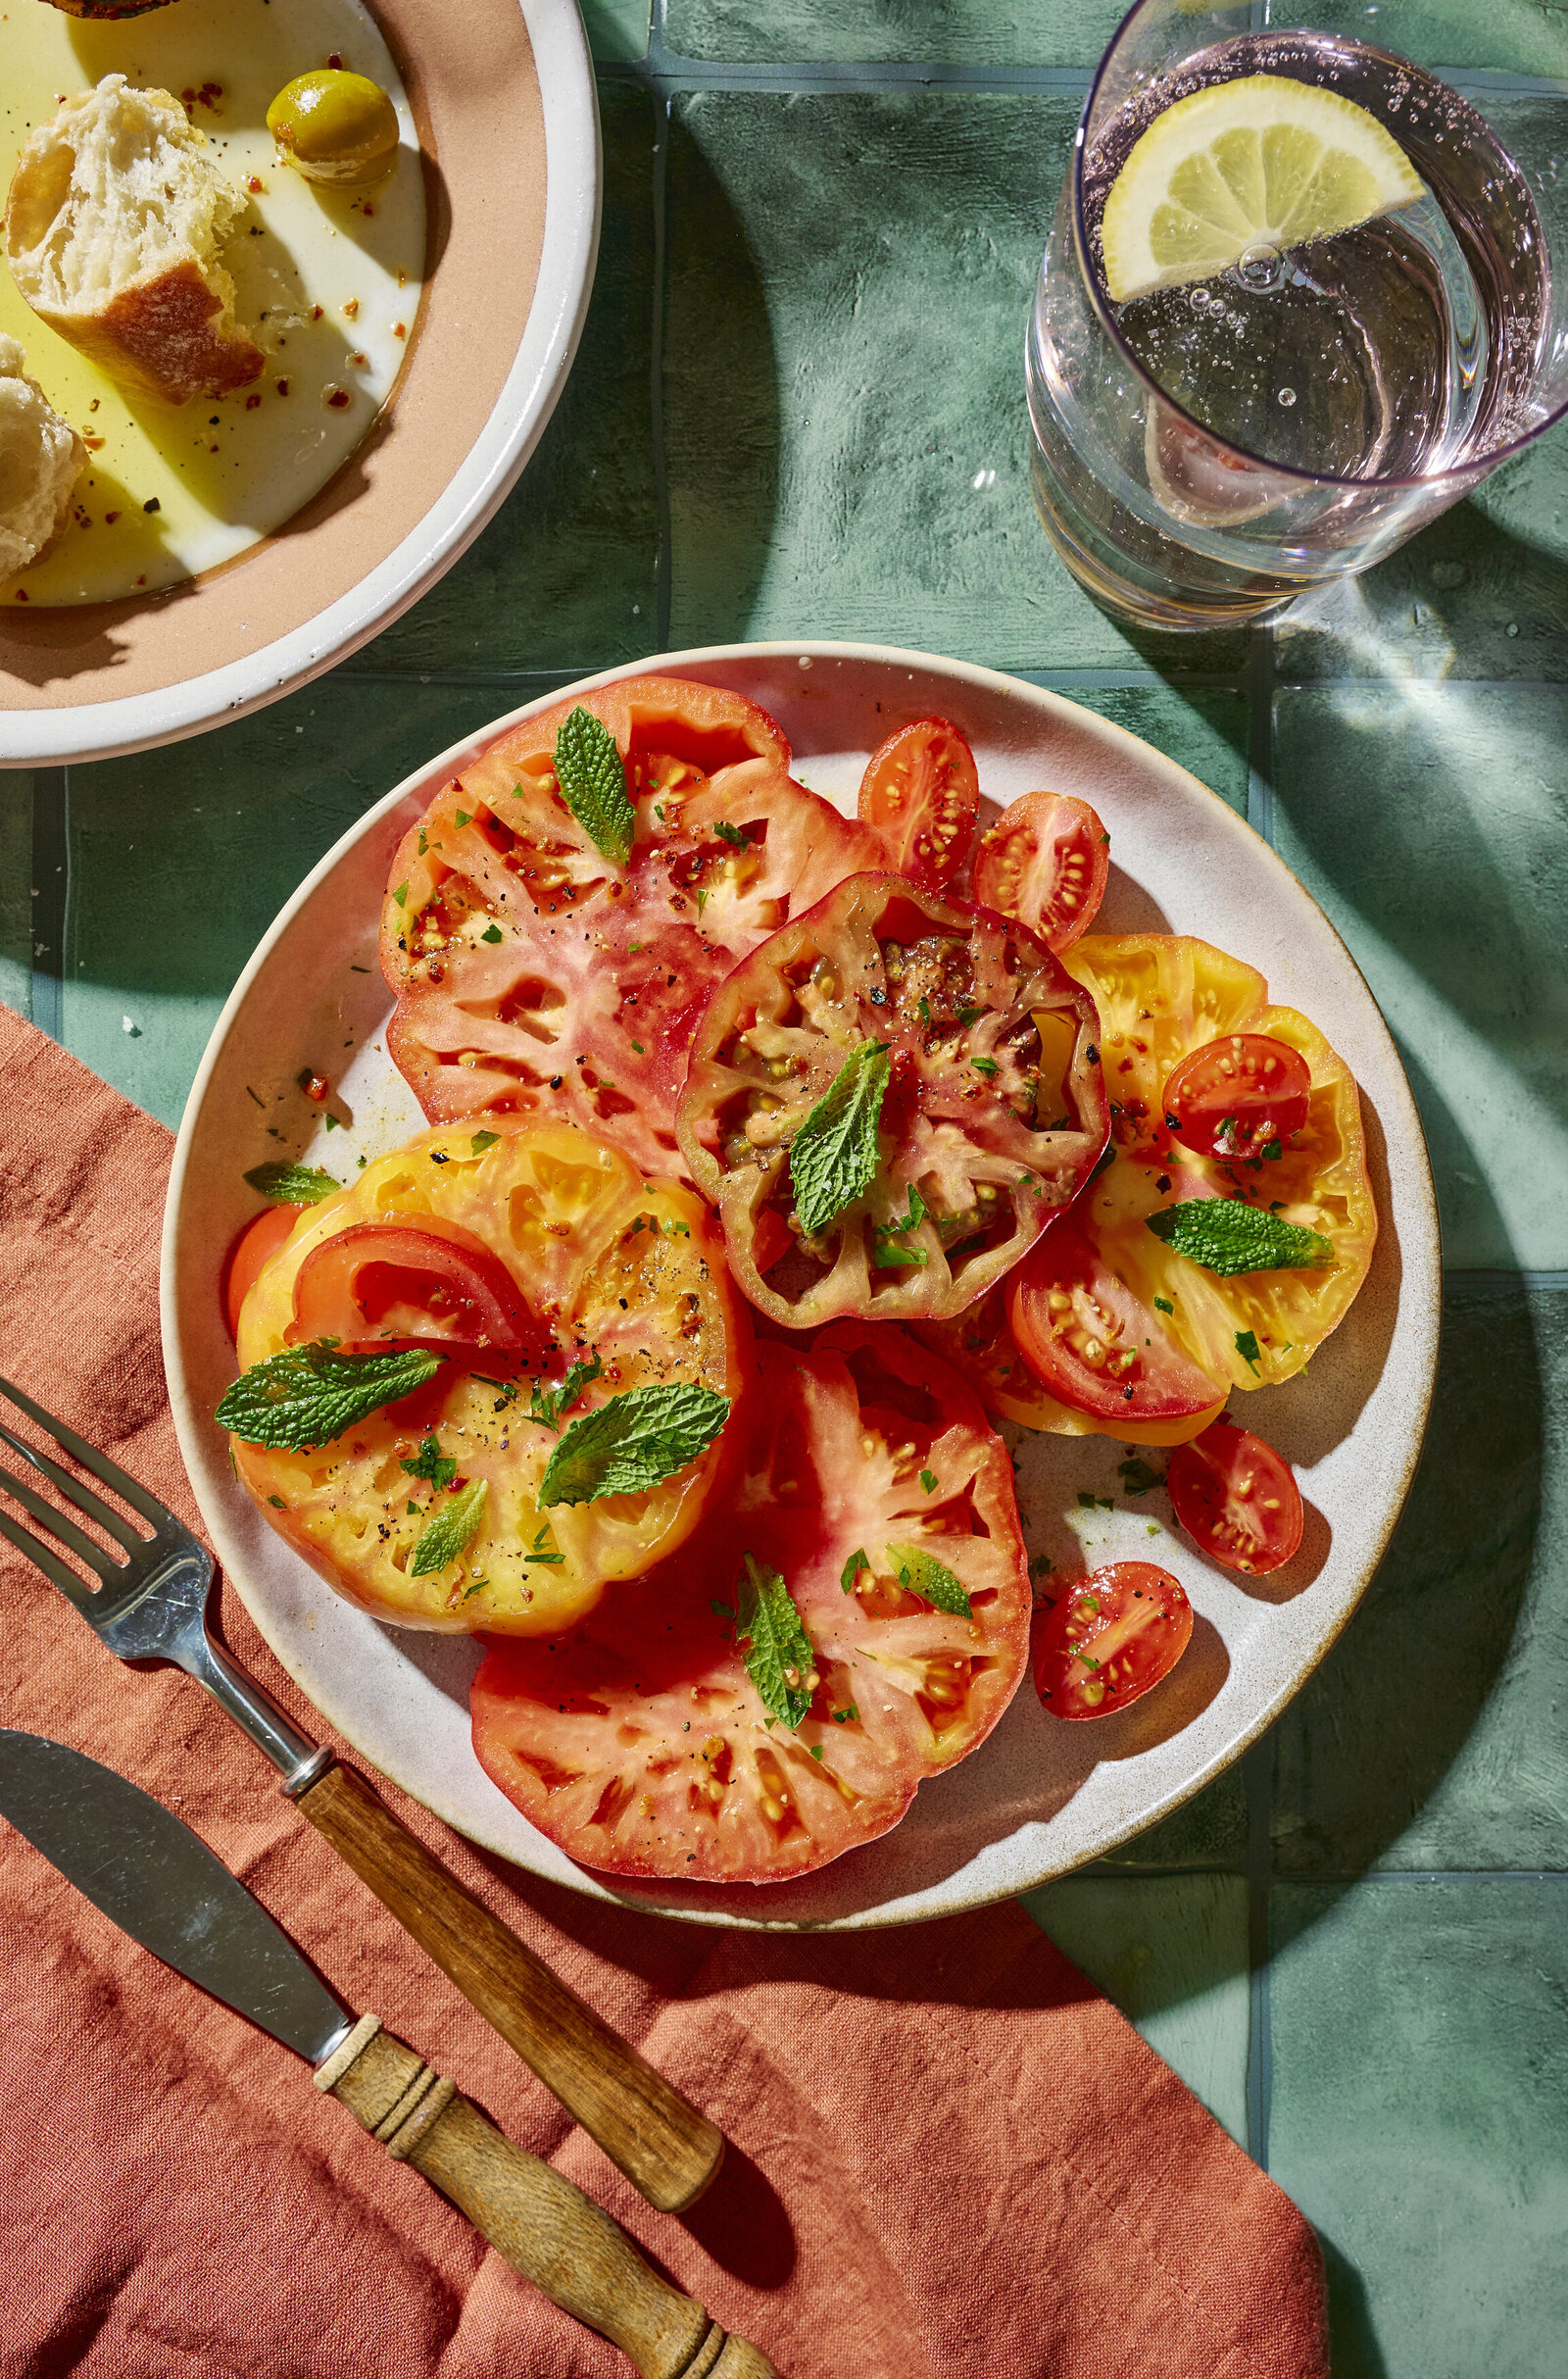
x: 503, y: 95
x: 1039, y: 1797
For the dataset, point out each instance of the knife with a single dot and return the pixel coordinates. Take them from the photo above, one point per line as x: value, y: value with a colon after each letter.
x: 145, y: 1870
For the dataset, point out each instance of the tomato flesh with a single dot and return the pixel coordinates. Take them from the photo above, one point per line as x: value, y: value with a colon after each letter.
x: 639, y: 1744
x: 985, y: 1135
x: 389, y: 1284
x: 1093, y: 1342
x: 1045, y: 862
x: 1237, y: 1500
x: 625, y: 1276
x: 921, y: 792
x: 251, y: 1254
x: 1237, y: 1097
x: 1106, y: 1641
x: 536, y: 976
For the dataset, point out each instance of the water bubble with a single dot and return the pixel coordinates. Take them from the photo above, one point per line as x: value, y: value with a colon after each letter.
x: 1287, y: 396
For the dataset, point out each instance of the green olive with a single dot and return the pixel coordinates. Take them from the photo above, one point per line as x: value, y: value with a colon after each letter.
x: 337, y: 127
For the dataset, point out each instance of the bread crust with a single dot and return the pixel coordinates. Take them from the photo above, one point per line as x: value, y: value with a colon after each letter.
x: 164, y: 327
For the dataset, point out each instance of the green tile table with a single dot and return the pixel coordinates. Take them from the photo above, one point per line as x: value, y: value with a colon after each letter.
x: 797, y: 408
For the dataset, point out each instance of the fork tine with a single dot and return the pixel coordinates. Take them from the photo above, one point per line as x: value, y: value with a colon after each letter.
x: 56, y: 1570
x: 102, y: 1563
x: 91, y: 1460
x: 84, y: 1498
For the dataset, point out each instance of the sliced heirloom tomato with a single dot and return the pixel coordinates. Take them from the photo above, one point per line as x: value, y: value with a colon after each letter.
x: 618, y: 1271
x: 1241, y: 1097
x: 251, y: 1254
x: 1161, y: 998
x: 1093, y: 1343
x: 534, y: 974
x: 1237, y: 1500
x: 380, y: 1285
x: 991, y: 1122
x: 1108, y: 1639
x: 1045, y: 862
x: 638, y: 1742
x: 921, y: 792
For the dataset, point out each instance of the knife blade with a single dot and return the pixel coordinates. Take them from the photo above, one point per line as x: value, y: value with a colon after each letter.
x: 143, y: 1868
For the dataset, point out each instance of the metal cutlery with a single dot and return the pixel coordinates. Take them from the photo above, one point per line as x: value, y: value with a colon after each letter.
x: 145, y: 1870
x: 152, y: 1604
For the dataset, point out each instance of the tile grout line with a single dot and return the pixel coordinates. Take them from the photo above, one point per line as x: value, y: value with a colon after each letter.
x: 49, y: 883
x: 1260, y: 733
x: 665, y: 565
x: 1256, y: 1773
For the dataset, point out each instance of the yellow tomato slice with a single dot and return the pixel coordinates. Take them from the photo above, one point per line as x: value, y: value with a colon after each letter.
x: 613, y: 1266
x: 1159, y: 998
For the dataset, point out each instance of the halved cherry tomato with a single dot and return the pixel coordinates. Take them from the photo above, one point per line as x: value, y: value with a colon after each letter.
x: 535, y: 975
x: 637, y: 1741
x: 251, y: 1254
x: 398, y: 1284
x: 1045, y: 862
x: 628, y: 1278
x: 1092, y: 1340
x: 984, y: 1135
x: 921, y: 792
x: 981, y: 1347
x: 1239, y: 1097
x: 1237, y: 1500
x: 1109, y: 1640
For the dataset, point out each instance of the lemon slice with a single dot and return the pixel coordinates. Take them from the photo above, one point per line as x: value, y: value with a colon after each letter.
x: 1258, y: 163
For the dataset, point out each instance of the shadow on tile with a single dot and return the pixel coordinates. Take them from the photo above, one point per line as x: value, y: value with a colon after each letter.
x: 1355, y: 2349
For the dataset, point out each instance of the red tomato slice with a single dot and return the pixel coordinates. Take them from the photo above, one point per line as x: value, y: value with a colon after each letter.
x: 1237, y: 1500
x: 1110, y: 1639
x: 1239, y: 1096
x: 1093, y: 1342
x: 535, y: 977
x: 921, y: 792
x: 991, y: 1120
x: 251, y: 1254
x: 1045, y: 862
x: 394, y: 1284
x: 637, y: 1741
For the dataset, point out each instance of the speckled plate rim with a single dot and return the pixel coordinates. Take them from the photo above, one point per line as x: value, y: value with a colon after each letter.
x: 573, y: 189
x: 243, y: 1544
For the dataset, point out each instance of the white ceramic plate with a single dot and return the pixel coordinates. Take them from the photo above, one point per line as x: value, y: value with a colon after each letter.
x: 1040, y: 1797
x: 502, y: 93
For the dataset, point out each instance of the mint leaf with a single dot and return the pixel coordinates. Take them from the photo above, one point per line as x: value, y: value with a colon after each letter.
x: 736, y: 836
x: 592, y: 780
x: 778, y: 1651
x: 927, y: 1579
x: 292, y: 1184
x: 1137, y: 1476
x: 888, y: 1251
x: 1226, y: 1235
x: 632, y: 1442
x: 1247, y: 1348
x: 481, y: 1141
x: 309, y: 1395
x: 431, y: 1464
x: 833, y: 1155
x: 547, y: 1405
x: 442, y: 1539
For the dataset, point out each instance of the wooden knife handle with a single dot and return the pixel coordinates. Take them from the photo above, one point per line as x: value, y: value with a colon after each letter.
x: 659, y: 2141
x: 546, y: 2228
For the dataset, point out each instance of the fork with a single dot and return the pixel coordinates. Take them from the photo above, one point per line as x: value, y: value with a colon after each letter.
x: 153, y: 1606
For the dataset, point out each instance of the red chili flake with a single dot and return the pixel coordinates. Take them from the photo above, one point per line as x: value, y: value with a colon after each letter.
x: 355, y: 357
x: 338, y: 398
x: 91, y: 441
x: 142, y: 580
x: 336, y: 61
x: 255, y: 182
x: 399, y: 330
x: 109, y: 517
x: 251, y: 403
x: 315, y: 1086
x: 22, y: 595
x: 282, y: 387
x: 316, y: 314
x: 367, y: 209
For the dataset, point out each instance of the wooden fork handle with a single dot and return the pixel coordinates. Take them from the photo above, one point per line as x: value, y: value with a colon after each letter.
x: 658, y: 2138
x: 544, y: 2226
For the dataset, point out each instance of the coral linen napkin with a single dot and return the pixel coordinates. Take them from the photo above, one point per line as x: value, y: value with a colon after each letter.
x: 949, y: 2156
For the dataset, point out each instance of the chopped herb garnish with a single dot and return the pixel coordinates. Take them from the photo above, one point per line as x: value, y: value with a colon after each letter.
x: 464, y: 817
x: 547, y: 1405
x: 736, y: 836
x: 292, y: 1184
x: 928, y: 1480
x: 986, y: 1067
x: 1162, y: 1305
x: 400, y: 894
x: 431, y: 1464
x: 833, y: 1155
x: 1136, y: 1475
x: 1042, y: 1565
x: 491, y: 933
x: 641, y: 1051
x: 888, y: 1252
x: 481, y: 1141
x: 451, y: 1532
x: 1247, y: 1348
x: 309, y: 1395
x: 852, y: 1571
x: 554, y: 1560
x: 278, y: 1502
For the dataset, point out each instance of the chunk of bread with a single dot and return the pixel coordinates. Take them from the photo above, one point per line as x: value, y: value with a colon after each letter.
x: 116, y: 216
x: 40, y: 460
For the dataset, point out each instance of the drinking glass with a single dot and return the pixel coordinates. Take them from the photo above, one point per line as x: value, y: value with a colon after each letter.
x: 1203, y: 453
